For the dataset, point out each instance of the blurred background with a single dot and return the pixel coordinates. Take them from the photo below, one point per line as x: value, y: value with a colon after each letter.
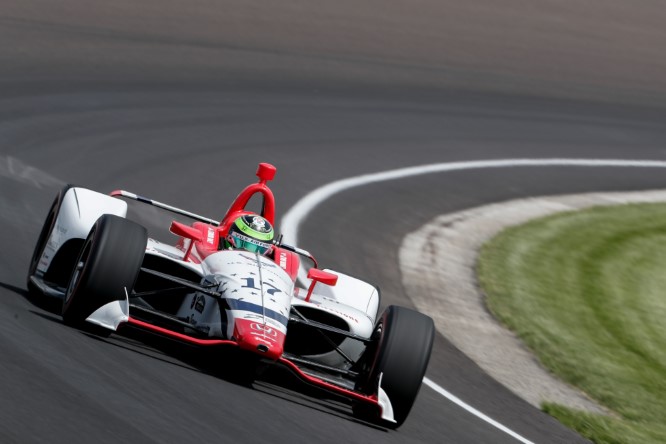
x: 179, y: 100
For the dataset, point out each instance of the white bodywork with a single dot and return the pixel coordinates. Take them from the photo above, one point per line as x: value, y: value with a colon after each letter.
x: 352, y: 300
x: 351, y: 292
x: 112, y: 314
x: 254, y: 288
x: 79, y: 211
x: 240, y: 296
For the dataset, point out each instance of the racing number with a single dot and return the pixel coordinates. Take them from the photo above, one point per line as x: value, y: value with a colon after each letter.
x: 249, y: 283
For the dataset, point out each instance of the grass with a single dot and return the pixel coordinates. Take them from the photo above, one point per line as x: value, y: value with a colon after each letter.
x: 586, y: 291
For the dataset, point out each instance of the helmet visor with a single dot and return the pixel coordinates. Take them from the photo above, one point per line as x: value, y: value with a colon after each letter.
x: 239, y: 240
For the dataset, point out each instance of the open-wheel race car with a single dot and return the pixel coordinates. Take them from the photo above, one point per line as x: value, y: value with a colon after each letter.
x: 221, y: 285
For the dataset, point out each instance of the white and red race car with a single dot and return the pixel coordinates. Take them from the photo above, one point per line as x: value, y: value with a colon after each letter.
x: 328, y: 331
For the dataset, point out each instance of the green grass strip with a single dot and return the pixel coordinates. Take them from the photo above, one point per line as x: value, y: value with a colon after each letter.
x: 586, y: 291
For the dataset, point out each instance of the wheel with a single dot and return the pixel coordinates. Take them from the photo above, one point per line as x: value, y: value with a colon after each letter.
x: 108, y: 264
x: 399, y: 354
x: 45, y: 234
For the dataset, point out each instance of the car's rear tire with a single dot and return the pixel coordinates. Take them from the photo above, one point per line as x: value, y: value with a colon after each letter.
x: 108, y: 264
x: 45, y: 234
x: 399, y: 354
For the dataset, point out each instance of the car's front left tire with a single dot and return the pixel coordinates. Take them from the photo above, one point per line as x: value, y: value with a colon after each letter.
x: 108, y: 266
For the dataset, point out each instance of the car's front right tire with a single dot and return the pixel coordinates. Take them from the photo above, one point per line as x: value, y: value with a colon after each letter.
x: 399, y: 355
x: 45, y: 234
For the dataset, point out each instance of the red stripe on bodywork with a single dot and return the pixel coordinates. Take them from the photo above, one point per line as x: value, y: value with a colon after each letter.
x: 288, y: 261
x: 372, y: 399
x: 179, y: 336
x: 368, y: 399
x: 259, y: 338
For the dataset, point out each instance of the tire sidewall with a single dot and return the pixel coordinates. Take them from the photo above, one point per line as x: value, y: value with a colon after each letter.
x: 111, y: 258
x: 45, y: 233
x: 402, y: 351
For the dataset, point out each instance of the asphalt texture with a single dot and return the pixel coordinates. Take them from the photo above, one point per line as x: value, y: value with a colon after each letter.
x: 179, y: 101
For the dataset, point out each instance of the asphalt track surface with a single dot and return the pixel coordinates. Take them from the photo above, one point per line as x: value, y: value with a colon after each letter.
x: 180, y: 100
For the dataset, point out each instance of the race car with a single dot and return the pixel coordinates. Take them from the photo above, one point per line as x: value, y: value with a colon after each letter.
x: 273, y: 304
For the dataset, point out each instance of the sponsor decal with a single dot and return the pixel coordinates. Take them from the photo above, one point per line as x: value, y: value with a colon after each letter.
x: 283, y: 260
x: 268, y: 331
x: 263, y: 337
x: 198, y: 303
x: 249, y: 258
x: 248, y: 316
x: 259, y: 223
x: 340, y: 313
x: 211, y: 235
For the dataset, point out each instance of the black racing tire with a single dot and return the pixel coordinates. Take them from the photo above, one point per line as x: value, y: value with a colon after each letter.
x: 108, y: 263
x: 45, y: 234
x: 400, y: 354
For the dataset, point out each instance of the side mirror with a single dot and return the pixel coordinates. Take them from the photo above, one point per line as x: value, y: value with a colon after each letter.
x: 187, y: 232
x: 322, y: 276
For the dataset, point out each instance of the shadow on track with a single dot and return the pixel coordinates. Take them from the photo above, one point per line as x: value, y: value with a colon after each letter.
x: 49, y: 304
x: 245, y: 370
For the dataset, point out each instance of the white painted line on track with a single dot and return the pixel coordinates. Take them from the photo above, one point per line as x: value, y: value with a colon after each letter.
x: 296, y: 214
x: 293, y: 218
x: 454, y: 399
